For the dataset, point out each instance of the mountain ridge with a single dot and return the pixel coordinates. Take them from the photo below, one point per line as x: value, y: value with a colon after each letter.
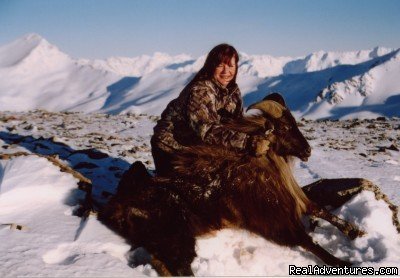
x: 36, y: 74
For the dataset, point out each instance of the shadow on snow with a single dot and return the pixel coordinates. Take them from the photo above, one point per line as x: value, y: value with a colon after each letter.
x: 103, y: 170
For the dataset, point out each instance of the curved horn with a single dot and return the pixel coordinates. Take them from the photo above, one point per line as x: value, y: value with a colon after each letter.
x: 269, y: 107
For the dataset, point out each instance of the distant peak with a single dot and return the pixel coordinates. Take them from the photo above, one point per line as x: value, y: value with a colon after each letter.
x: 33, y: 37
x: 36, y: 41
x: 375, y: 51
x: 380, y: 48
x: 380, y: 51
x: 33, y: 40
x: 28, y: 50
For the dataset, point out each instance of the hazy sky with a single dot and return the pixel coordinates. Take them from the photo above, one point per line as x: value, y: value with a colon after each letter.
x: 100, y: 28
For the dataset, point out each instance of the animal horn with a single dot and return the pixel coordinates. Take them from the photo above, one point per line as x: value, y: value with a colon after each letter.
x: 269, y: 107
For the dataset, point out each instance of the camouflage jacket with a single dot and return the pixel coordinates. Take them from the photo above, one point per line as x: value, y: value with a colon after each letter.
x: 197, y: 115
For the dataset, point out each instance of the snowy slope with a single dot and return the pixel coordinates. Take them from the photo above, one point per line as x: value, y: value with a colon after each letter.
x: 372, y: 92
x: 35, y: 194
x: 36, y: 74
x: 51, y: 242
x: 370, y: 86
x: 138, y: 66
x: 322, y: 60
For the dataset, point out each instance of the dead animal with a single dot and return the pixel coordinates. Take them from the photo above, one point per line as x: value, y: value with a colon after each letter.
x: 215, y: 188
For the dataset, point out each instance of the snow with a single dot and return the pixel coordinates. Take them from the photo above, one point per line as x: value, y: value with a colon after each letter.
x: 55, y: 242
x: 36, y: 194
x: 45, y: 77
x: 375, y: 91
x: 249, y: 255
x: 138, y: 66
x: 35, y: 74
x: 101, y: 119
x: 322, y: 60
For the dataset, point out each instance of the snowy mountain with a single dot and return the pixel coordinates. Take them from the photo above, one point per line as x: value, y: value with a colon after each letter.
x: 322, y: 60
x: 36, y: 74
x: 366, y: 89
x: 137, y: 66
x: 371, y: 92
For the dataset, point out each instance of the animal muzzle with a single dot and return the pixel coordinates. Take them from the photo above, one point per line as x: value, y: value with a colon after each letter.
x: 304, y: 155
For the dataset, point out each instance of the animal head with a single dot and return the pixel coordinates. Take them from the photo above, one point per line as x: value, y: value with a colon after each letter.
x: 286, y: 136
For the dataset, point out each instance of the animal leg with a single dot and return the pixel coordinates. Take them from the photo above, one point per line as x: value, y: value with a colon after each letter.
x: 299, y: 237
x: 308, y: 244
x: 172, y: 246
x: 174, y: 261
x: 160, y: 267
x: 345, y: 227
x: 335, y: 192
x: 165, y: 269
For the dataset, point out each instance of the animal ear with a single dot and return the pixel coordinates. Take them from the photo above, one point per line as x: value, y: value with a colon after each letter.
x: 269, y: 107
x: 276, y: 97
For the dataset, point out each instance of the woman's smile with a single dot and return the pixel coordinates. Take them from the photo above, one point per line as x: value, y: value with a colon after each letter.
x: 225, y: 72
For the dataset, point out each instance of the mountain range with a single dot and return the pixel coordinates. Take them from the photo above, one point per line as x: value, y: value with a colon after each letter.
x: 34, y: 74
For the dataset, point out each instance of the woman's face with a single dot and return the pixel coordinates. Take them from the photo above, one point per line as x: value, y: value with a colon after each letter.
x: 224, y: 73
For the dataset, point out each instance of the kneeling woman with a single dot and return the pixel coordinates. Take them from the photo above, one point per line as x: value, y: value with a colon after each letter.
x: 199, y: 112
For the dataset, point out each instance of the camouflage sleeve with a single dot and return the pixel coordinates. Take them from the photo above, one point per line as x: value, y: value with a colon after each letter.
x: 205, y: 121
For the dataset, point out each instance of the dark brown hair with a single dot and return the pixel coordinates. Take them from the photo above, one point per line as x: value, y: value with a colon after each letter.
x: 221, y: 53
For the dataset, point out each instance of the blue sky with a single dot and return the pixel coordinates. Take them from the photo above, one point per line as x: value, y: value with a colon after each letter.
x: 100, y: 28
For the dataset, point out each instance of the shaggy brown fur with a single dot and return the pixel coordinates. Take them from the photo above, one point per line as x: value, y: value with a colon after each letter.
x: 215, y: 188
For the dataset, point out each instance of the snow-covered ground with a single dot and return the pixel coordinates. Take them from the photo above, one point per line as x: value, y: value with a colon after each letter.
x: 52, y: 241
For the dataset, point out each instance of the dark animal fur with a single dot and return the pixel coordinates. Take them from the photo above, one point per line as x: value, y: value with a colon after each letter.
x: 216, y: 188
